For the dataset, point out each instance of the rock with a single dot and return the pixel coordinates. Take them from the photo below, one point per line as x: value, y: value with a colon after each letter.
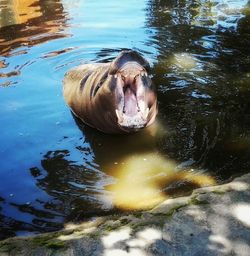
x: 211, y: 221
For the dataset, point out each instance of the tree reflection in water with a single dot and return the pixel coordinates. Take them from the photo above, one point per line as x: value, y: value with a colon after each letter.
x: 201, y: 71
x: 29, y: 22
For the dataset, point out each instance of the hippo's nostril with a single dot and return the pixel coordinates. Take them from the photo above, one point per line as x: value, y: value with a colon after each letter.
x: 123, y: 79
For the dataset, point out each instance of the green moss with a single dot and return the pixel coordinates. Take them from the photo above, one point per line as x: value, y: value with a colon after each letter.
x: 49, y: 241
x: 124, y: 221
x: 220, y: 192
x: 115, y: 225
x: 42, y: 240
x: 7, y: 247
x: 170, y: 212
x: 68, y: 232
x: 56, y: 245
x: 138, y: 214
x: 94, y: 235
x: 173, y: 210
x: 196, y: 201
x: 136, y: 226
x: 108, y: 228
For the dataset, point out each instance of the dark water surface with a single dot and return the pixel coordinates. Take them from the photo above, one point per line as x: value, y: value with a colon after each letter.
x: 53, y: 172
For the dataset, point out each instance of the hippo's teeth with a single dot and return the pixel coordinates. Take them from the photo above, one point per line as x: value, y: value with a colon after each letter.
x: 115, y: 76
x: 141, y: 105
x: 143, y: 73
x: 145, y: 114
x: 119, y: 116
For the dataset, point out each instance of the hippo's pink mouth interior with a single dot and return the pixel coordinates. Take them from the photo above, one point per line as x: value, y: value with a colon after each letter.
x: 133, y: 109
x: 130, y: 107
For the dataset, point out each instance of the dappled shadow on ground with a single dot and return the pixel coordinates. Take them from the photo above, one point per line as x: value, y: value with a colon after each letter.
x: 215, y: 221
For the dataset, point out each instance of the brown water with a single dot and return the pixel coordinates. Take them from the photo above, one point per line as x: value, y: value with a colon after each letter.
x: 53, y: 170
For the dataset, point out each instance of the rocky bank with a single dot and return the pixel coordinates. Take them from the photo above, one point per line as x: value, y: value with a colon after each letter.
x: 211, y: 221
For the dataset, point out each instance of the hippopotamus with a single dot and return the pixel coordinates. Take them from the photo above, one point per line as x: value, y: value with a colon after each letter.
x: 116, y: 97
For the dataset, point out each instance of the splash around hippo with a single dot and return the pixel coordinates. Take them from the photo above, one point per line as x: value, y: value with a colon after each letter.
x: 116, y: 97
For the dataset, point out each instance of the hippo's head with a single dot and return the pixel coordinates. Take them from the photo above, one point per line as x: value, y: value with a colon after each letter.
x: 131, y: 86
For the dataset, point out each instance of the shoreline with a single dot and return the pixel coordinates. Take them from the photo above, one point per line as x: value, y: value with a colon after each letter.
x: 211, y: 221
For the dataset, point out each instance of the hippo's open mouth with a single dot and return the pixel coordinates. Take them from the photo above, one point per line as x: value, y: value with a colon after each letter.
x: 133, y: 109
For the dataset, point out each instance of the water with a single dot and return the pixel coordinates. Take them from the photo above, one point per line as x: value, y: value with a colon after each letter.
x: 53, y: 171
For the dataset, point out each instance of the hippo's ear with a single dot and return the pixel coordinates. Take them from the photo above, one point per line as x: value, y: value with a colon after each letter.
x: 126, y: 56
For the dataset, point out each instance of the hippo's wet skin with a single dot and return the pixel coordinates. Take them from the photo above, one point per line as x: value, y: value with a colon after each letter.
x: 116, y: 97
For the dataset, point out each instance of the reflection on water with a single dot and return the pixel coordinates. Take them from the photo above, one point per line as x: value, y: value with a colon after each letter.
x: 141, y: 176
x: 29, y: 22
x: 145, y: 180
x: 52, y: 172
x: 18, y: 11
x: 201, y: 74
